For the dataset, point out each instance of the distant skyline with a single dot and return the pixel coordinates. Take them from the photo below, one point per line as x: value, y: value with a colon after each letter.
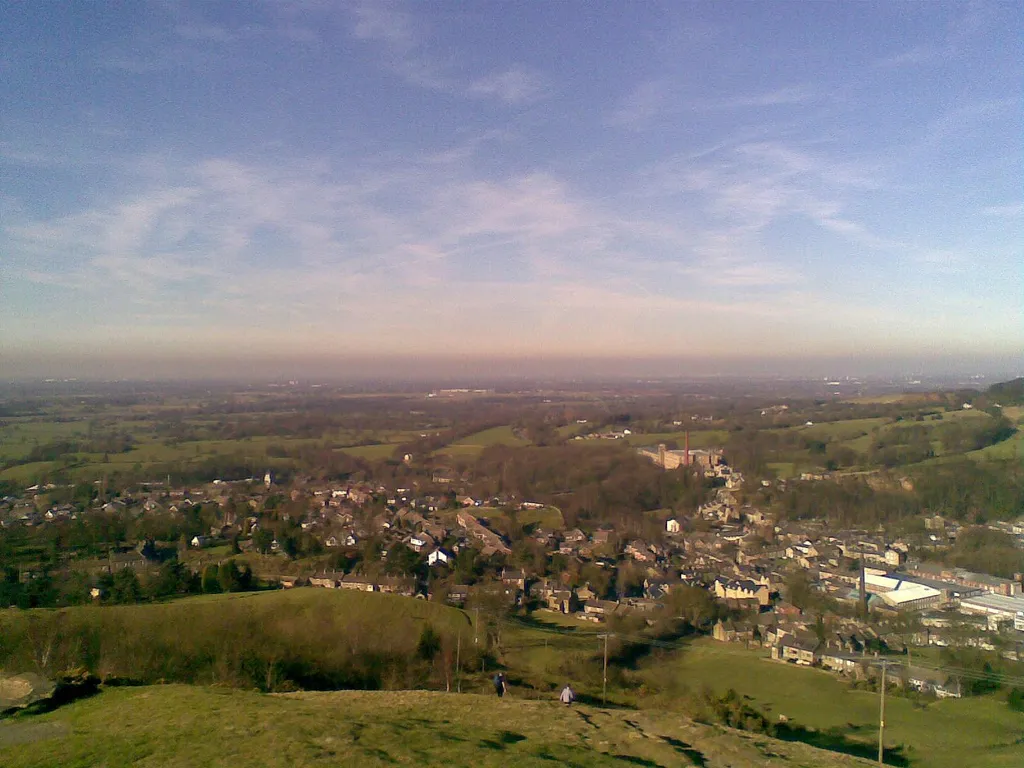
x: 294, y: 187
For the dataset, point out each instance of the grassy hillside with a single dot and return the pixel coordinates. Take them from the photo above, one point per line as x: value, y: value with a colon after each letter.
x: 187, y: 726
x: 317, y: 638
x: 309, y: 638
x: 980, y: 731
x: 976, y: 731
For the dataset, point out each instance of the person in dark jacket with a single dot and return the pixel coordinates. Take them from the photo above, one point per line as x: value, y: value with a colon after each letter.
x: 500, y: 684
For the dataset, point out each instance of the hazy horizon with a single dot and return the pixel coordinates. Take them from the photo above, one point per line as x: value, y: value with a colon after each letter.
x: 448, y: 367
x: 555, y: 186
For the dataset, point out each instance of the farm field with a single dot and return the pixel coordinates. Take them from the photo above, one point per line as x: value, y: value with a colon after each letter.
x: 840, y: 431
x: 471, y: 445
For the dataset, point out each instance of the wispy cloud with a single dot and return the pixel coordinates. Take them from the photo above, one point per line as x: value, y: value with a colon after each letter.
x: 384, y: 22
x: 640, y: 107
x: 786, y: 96
x: 402, y: 39
x: 959, y: 33
x: 1009, y: 210
x: 952, y: 126
x: 512, y: 86
x: 180, y: 36
x: 227, y: 239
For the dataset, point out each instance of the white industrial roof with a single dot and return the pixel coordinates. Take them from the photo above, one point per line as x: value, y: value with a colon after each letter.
x: 993, y: 603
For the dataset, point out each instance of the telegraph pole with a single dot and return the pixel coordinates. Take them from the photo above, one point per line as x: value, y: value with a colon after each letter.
x: 458, y: 663
x: 881, y: 717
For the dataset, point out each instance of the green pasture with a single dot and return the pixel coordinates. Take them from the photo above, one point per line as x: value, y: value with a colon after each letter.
x: 1012, y: 448
x: 545, y: 517
x: 784, y: 470
x: 20, y: 435
x: 29, y: 473
x: 469, y: 447
x: 371, y: 452
x: 972, y: 731
x: 494, y: 436
x: 839, y: 431
x: 460, y: 451
x: 1014, y: 413
x: 707, y: 438
x: 571, y: 430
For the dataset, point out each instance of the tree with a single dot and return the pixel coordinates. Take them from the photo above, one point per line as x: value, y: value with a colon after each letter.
x: 1015, y: 698
x: 402, y: 561
x: 229, y: 577
x: 125, y: 587
x: 10, y: 588
x: 245, y: 578
x: 429, y: 643
x: 211, y: 579
x: 290, y: 546
x: 262, y: 540
x: 799, y: 590
x: 173, y: 578
x: 694, y: 604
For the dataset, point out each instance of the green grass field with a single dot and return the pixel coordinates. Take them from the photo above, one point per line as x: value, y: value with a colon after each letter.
x: 177, y: 725
x: 20, y: 435
x: 1007, y: 449
x: 967, y: 732
x: 370, y: 452
x: 470, y: 446
x: 352, y: 605
x: 840, y: 430
x: 546, y: 517
x: 1014, y: 413
x: 783, y: 469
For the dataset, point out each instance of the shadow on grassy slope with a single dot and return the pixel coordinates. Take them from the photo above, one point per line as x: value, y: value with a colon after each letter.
x: 837, y: 740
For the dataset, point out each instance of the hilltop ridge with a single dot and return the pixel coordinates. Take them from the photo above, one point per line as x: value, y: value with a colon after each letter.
x: 179, y: 725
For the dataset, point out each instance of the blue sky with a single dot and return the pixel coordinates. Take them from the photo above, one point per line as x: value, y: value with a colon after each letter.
x: 327, y: 181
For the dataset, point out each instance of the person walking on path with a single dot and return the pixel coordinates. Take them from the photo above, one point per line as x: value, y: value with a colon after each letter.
x: 567, y: 696
x: 500, y: 684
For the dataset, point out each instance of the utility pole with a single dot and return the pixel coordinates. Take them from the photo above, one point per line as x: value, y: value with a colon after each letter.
x: 881, y: 717
x: 476, y: 627
x: 458, y: 663
x: 604, y: 674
